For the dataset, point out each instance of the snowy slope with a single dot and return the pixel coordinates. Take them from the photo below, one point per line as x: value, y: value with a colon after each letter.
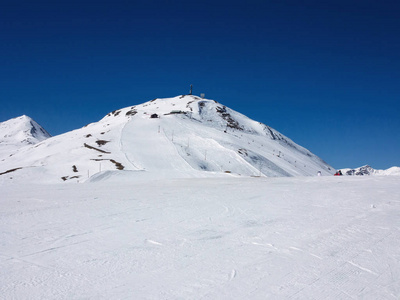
x: 367, y: 170
x: 184, y: 136
x: 230, y: 238
x: 19, y: 132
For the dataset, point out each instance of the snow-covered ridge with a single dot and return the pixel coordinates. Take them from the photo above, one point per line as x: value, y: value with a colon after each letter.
x: 183, y: 136
x: 368, y: 170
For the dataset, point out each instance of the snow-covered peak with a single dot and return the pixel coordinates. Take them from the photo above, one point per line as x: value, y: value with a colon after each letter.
x: 181, y: 104
x: 210, y: 112
x: 21, y: 131
x: 368, y: 170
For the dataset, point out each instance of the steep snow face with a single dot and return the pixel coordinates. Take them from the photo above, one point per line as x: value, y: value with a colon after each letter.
x: 184, y: 136
x: 367, y: 170
x: 22, y: 130
x: 18, y: 132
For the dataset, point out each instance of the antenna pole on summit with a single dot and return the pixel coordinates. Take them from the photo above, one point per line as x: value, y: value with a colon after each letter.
x: 191, y: 89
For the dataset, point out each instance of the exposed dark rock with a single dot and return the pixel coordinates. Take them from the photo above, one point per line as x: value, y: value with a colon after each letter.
x: 231, y: 123
x: 131, y: 112
x: 243, y: 152
x: 101, y: 142
x: 94, y: 148
x: 118, y: 165
x: 11, y: 170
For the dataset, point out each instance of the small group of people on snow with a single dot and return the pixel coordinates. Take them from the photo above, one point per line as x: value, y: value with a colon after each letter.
x: 338, y: 173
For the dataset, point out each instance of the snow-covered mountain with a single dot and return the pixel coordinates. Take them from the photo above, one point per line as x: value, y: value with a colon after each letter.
x: 184, y: 136
x: 367, y: 170
x: 22, y: 130
x: 18, y: 132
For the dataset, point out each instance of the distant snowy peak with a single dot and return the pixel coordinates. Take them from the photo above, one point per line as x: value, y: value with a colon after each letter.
x: 367, y: 170
x: 22, y: 131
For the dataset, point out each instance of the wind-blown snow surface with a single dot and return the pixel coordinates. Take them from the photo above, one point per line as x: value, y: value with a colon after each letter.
x: 226, y: 238
x: 184, y: 136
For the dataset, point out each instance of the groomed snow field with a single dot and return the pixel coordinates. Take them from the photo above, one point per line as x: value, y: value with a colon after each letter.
x: 202, y: 238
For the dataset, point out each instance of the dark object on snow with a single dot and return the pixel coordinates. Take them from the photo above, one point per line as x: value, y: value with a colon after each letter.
x: 154, y: 116
x: 176, y: 112
x: 338, y: 173
x: 91, y: 147
x: 9, y: 171
x: 101, y: 142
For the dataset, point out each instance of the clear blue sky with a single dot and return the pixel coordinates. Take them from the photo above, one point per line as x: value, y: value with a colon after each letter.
x: 324, y: 73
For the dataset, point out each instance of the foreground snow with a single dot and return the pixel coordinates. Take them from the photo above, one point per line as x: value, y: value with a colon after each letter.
x: 220, y: 238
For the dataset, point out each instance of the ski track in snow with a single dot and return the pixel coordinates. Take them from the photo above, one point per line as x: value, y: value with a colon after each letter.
x: 121, y: 147
x: 226, y: 238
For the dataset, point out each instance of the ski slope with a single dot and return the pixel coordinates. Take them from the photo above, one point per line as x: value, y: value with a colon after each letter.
x: 201, y: 238
x: 146, y: 145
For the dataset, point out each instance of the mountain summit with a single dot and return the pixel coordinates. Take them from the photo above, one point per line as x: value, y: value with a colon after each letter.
x: 22, y: 130
x: 184, y: 136
x: 18, y: 132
